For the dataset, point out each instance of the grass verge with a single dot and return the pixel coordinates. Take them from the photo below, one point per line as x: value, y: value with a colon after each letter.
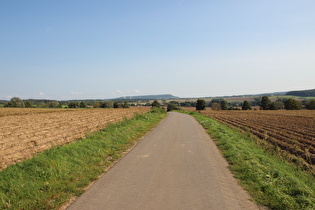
x: 54, y: 176
x: 271, y: 181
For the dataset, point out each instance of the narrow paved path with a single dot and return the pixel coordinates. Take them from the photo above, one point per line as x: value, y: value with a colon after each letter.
x: 176, y: 166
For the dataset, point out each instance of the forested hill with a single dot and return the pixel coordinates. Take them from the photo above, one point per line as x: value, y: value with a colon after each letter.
x: 303, y: 93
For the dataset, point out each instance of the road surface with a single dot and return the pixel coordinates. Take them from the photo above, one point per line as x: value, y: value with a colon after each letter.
x: 176, y: 166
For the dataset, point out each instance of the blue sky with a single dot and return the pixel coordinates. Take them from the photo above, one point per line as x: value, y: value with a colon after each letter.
x: 75, y: 49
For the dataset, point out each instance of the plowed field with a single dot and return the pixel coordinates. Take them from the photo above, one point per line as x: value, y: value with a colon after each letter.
x: 292, y: 131
x: 25, y: 132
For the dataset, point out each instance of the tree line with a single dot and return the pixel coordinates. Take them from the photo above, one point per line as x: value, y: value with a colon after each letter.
x: 216, y: 104
x: 264, y: 103
x: 19, y: 103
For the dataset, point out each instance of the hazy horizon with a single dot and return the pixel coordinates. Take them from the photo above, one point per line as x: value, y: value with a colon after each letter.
x: 97, y: 49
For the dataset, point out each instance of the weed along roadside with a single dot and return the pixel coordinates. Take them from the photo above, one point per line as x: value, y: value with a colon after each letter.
x: 270, y: 180
x: 51, y: 178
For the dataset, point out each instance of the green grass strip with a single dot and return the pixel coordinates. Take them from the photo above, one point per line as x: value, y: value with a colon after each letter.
x: 272, y: 182
x: 54, y: 176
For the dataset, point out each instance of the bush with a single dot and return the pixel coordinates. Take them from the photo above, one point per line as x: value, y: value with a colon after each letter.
x: 155, y: 109
x: 172, y: 106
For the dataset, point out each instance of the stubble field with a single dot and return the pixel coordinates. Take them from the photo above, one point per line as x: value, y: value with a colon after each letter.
x: 25, y: 132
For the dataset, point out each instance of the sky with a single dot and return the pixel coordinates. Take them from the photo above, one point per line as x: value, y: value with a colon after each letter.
x: 102, y: 49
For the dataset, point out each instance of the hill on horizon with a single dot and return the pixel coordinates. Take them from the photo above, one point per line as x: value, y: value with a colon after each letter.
x: 303, y: 93
x: 149, y: 97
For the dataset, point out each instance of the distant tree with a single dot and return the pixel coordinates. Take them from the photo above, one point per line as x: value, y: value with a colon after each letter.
x: 107, y: 104
x: 279, y: 104
x: 125, y: 105
x: 172, y: 106
x: 28, y: 104
x: 53, y: 104
x: 42, y: 105
x: 82, y: 104
x: 96, y: 104
x: 292, y: 104
x: 246, y: 106
x: 201, y: 104
x: 175, y: 102
x: 257, y: 101
x: 215, y: 100
x: 15, y: 102
x: 73, y: 105
x: 310, y: 104
x: 156, y: 104
x: 188, y: 104
x: 215, y: 106
x: 224, y: 105
x: 273, y: 106
x: 265, y: 102
x: 116, y: 105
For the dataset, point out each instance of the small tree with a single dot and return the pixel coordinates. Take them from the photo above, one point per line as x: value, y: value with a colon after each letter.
x: 292, y: 104
x: 125, y: 104
x: 310, y: 104
x: 82, y: 104
x: 215, y: 106
x: 156, y: 104
x: 246, y: 106
x: 265, y: 102
x: 201, y: 104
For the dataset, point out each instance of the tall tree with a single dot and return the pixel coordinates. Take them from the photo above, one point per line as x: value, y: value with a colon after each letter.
x: 224, y: 105
x: 246, y: 106
x: 201, y: 104
x: 265, y: 102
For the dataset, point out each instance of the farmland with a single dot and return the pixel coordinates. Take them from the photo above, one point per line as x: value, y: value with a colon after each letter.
x: 25, y: 132
x: 292, y: 131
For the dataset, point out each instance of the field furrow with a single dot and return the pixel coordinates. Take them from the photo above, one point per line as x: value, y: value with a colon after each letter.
x: 25, y: 132
x: 292, y: 131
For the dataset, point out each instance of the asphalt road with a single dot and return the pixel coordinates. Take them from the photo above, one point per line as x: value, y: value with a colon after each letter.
x: 176, y: 166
